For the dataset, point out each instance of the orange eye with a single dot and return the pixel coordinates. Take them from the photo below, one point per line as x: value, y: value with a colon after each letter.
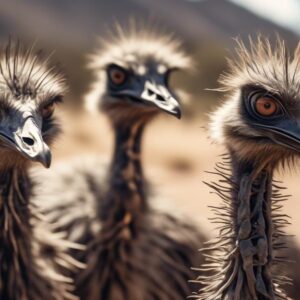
x: 266, y: 106
x: 48, y: 110
x: 117, y: 76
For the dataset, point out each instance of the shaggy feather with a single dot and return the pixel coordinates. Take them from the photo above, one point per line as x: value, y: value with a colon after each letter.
x: 241, y: 262
x: 225, y: 275
x: 261, y: 66
x: 25, y: 72
x: 26, y: 272
x: 155, y: 264
x: 134, y: 250
x: 132, y: 49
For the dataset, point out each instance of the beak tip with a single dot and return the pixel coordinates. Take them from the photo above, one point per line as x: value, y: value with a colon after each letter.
x: 48, y: 160
x: 47, y: 165
x: 177, y: 113
x: 45, y: 159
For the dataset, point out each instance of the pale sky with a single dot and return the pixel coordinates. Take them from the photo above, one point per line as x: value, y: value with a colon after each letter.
x: 283, y: 12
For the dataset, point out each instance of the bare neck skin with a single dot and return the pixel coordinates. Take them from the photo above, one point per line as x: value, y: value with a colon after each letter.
x: 248, y: 230
x: 253, y: 229
x: 125, y: 200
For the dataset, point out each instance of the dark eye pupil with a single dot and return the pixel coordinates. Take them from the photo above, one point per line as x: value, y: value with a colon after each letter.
x: 117, y: 77
x: 267, y: 105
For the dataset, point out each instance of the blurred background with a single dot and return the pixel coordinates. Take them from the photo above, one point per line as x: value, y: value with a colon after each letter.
x: 176, y: 152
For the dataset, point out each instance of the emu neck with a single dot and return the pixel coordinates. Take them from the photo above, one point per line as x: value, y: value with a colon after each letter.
x: 15, y: 231
x: 125, y: 201
x: 15, y: 189
x: 253, y: 231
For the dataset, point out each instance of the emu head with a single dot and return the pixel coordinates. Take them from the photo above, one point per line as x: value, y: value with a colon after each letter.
x: 133, y: 72
x: 29, y: 91
x: 260, y: 119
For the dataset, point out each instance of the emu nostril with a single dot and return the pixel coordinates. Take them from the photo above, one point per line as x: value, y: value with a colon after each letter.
x: 150, y: 92
x: 28, y: 141
x: 160, y: 98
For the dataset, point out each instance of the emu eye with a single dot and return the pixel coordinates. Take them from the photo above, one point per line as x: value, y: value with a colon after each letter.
x: 117, y: 76
x: 48, y: 110
x: 266, y: 106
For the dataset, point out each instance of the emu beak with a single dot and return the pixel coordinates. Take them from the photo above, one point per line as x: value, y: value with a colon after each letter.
x: 285, y: 133
x: 160, y: 96
x: 152, y: 94
x: 27, y: 140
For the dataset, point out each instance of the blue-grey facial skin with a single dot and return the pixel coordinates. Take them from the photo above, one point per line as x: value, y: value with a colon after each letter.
x: 149, y: 89
x: 282, y: 127
x: 29, y: 89
x: 285, y: 133
x: 21, y: 131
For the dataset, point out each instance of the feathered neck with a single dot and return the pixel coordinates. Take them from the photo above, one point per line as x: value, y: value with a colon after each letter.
x: 250, y: 233
x: 125, y: 199
x: 21, y: 274
x: 15, y: 234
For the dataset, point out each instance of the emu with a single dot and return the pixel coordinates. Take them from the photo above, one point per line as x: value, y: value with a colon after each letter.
x: 29, y: 91
x: 259, y: 126
x: 134, y: 249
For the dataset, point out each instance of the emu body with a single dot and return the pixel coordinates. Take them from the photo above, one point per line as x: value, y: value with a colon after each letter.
x: 23, y: 273
x: 28, y: 89
x: 134, y: 249
x: 253, y: 124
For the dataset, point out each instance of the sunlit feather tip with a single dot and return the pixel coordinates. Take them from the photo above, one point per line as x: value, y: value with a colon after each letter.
x: 27, y: 72
x: 132, y: 47
x: 270, y: 65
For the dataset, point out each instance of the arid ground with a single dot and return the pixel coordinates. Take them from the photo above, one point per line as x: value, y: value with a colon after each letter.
x: 176, y: 156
